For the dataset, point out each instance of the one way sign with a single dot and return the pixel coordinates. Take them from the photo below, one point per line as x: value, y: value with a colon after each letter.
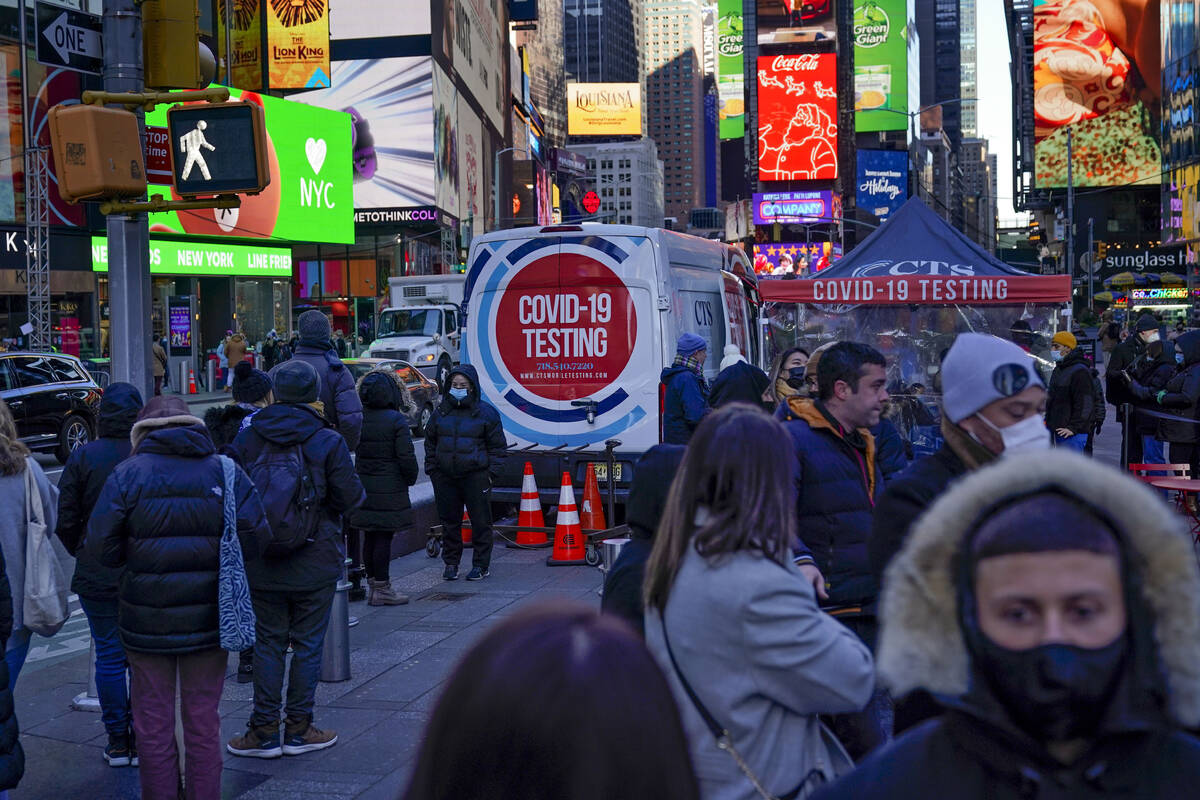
x: 67, y: 38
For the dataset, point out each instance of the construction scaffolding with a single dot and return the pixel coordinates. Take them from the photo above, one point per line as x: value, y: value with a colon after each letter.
x: 37, y: 238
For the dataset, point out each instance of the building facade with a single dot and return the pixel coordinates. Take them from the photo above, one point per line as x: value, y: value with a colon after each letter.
x: 542, y: 47
x: 1181, y: 145
x: 628, y: 176
x: 978, y: 193
x: 600, y: 40
x: 969, y: 66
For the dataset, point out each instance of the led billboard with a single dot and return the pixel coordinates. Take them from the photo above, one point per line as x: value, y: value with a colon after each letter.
x: 794, y: 207
x: 1086, y: 83
x: 797, y: 117
x: 800, y: 258
x: 882, y: 181
x: 880, y: 65
x: 731, y: 81
x: 298, y: 44
x: 604, y: 109
x: 795, y: 21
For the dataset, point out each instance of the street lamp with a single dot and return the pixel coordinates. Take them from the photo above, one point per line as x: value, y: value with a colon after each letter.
x: 496, y: 180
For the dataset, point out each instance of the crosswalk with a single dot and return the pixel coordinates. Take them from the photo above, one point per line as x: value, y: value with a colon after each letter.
x: 72, y: 638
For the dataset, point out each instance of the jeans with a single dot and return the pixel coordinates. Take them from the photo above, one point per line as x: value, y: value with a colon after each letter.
x: 300, y: 617
x: 1152, y: 450
x: 1077, y: 442
x: 14, y: 655
x: 451, y: 495
x: 111, y: 665
x: 201, y: 676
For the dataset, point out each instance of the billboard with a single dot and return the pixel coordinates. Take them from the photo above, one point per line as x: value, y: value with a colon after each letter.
x: 882, y: 181
x: 797, y: 117
x: 245, y: 38
x: 473, y: 151
x: 731, y: 80
x: 604, y: 109
x: 390, y: 101
x: 471, y: 43
x: 310, y: 197
x: 1085, y: 83
x: 298, y: 44
x: 445, y: 142
x: 796, y: 21
x: 880, y: 65
x: 796, y: 207
x: 360, y: 19
x: 801, y: 258
x: 206, y: 258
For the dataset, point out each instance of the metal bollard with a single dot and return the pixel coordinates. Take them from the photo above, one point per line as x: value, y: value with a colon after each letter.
x: 182, y: 385
x: 210, y: 373
x: 88, y: 700
x: 335, y: 655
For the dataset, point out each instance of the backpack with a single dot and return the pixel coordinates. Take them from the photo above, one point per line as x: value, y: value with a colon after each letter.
x: 289, y: 496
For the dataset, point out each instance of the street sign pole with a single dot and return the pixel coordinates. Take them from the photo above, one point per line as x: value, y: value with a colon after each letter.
x: 128, y: 234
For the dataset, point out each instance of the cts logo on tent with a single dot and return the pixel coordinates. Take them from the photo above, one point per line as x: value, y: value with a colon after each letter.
x: 913, y: 267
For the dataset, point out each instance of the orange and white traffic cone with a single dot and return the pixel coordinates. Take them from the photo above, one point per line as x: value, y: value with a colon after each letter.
x: 191, y: 381
x: 569, y: 547
x: 529, y: 519
x: 592, y: 516
x: 466, y: 529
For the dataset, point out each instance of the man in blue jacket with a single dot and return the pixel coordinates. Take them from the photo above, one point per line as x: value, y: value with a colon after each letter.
x: 685, y: 399
x: 339, y: 394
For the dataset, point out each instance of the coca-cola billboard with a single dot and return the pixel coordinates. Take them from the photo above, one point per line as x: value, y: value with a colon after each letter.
x: 797, y: 117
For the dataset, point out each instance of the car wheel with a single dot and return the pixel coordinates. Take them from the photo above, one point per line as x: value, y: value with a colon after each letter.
x: 443, y: 372
x: 74, y: 434
x: 423, y: 420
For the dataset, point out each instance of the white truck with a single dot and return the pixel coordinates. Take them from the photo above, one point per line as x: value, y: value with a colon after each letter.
x: 423, y: 323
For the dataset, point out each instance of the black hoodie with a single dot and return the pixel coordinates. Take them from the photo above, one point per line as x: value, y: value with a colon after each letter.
x: 464, y: 437
x: 1182, y: 393
x: 1071, y: 401
x: 82, y: 479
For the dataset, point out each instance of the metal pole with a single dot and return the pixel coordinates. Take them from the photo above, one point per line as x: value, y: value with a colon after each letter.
x: 228, y: 13
x: 496, y: 189
x: 128, y: 235
x: 1091, y: 264
x: 1126, y: 426
x: 1070, y: 203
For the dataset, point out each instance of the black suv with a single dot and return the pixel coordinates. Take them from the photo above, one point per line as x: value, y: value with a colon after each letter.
x: 53, y: 399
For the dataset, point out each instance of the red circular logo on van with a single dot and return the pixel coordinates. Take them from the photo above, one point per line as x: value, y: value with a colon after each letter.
x: 566, y: 327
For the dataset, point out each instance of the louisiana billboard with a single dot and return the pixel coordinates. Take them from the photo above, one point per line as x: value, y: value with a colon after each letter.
x: 604, y: 109
x: 797, y: 117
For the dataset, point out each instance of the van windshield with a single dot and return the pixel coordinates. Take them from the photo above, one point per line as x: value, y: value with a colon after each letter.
x: 409, y: 322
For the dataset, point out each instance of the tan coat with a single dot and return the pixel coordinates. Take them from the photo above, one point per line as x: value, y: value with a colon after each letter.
x: 159, y: 360
x: 235, y: 349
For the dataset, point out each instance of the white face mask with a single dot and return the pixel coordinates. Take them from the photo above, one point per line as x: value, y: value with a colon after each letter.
x: 1027, y: 436
x: 1153, y: 337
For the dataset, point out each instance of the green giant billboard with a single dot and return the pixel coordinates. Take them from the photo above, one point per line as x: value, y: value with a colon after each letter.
x: 731, y: 94
x: 880, y: 65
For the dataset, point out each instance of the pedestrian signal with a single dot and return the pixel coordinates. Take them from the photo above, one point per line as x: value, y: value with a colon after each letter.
x: 218, y: 148
x: 97, y: 152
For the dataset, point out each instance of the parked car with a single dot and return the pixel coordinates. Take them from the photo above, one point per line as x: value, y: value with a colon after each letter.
x: 424, y: 391
x: 53, y: 400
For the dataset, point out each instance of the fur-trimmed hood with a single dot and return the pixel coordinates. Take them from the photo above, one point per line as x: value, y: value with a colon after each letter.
x: 921, y: 641
x: 144, y: 427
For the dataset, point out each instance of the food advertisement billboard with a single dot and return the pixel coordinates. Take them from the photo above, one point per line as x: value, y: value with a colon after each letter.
x: 1105, y: 94
x: 604, y: 109
x: 310, y: 197
x: 298, y: 44
x: 882, y: 181
x: 796, y: 21
x: 731, y: 81
x: 797, y: 117
x: 880, y: 65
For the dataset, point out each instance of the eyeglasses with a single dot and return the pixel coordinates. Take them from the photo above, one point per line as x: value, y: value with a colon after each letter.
x: 1010, y: 379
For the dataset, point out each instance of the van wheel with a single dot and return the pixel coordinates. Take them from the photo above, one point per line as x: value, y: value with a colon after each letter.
x: 74, y: 434
x: 443, y: 372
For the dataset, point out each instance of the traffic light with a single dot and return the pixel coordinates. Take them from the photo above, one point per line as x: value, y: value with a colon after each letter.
x: 218, y: 148
x: 97, y: 152
x: 170, y: 44
x: 1036, y: 235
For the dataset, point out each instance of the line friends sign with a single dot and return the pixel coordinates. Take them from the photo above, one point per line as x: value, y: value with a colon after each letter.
x: 797, y: 117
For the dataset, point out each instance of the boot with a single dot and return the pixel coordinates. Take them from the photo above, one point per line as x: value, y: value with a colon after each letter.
x: 382, y: 594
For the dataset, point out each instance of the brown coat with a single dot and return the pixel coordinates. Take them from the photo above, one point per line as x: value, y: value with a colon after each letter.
x: 235, y: 349
x: 159, y: 360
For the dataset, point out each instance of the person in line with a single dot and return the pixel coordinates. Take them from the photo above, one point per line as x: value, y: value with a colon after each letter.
x: 1154, y: 371
x: 464, y: 450
x: 158, y: 366
x: 271, y: 350
x: 160, y: 517
x: 738, y: 381
x: 685, y: 401
x: 235, y: 351
x: 97, y: 585
x: 1116, y: 382
x: 339, y: 395
x: 1069, y: 409
x: 224, y: 376
x: 15, y: 458
x: 1049, y: 604
x: 1179, y: 397
x: 386, y: 464
x: 838, y: 482
x: 787, y: 376
x: 652, y: 478
x: 483, y: 744
x: 340, y: 344
x: 292, y: 587
x: 735, y: 625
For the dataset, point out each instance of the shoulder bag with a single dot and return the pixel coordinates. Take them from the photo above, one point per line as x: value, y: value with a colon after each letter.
x: 235, y: 612
x: 44, y: 606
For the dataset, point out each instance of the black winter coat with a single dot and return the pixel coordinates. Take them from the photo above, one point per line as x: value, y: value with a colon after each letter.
x: 1071, y: 402
x: 1124, y: 356
x: 338, y: 394
x: 319, y: 563
x: 79, y: 487
x: 738, y: 383
x: 465, y: 437
x: 1182, y: 396
x: 160, y: 516
x: 224, y: 423
x: 386, y: 462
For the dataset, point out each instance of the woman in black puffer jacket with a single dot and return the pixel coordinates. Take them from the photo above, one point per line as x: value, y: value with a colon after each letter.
x: 387, y: 465
x: 160, y: 516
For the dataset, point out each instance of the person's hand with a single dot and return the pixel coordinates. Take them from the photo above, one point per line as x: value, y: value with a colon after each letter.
x: 1138, y: 390
x: 814, y: 576
x: 1064, y: 433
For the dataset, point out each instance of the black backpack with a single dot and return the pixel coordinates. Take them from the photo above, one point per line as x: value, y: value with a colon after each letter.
x: 289, y: 497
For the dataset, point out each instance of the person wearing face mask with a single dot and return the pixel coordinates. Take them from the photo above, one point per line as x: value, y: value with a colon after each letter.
x: 1179, y: 397
x: 1153, y: 371
x: 1069, y: 408
x: 1050, y: 605
x: 787, y: 376
x: 1116, y: 384
x: 464, y: 450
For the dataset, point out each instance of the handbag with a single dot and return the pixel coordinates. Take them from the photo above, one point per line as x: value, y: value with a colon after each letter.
x: 826, y: 769
x: 44, y: 606
x: 235, y: 612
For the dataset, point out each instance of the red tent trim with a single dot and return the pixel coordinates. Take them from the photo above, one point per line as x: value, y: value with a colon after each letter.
x: 920, y: 290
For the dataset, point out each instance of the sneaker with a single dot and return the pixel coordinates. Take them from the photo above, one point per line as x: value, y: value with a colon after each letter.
x: 450, y: 573
x: 312, y: 738
x: 478, y: 574
x: 133, y: 756
x: 256, y: 743
x: 118, y: 752
x: 245, y: 673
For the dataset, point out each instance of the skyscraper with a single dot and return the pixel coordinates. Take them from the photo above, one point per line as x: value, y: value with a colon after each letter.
x: 968, y: 54
x: 600, y: 40
x: 547, y: 84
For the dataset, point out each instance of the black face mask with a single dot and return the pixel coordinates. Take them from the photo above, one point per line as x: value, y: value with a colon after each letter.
x: 1056, y: 692
x: 795, y: 378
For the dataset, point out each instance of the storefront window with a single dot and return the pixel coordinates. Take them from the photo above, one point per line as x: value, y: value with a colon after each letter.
x: 261, y: 307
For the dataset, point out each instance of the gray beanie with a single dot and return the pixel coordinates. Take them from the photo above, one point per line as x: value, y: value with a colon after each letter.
x: 296, y: 382
x: 981, y: 369
x: 314, y: 326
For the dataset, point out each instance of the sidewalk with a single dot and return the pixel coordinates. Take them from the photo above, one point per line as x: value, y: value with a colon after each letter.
x: 400, y: 657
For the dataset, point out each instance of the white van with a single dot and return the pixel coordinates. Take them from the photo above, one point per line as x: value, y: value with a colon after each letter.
x: 569, y: 327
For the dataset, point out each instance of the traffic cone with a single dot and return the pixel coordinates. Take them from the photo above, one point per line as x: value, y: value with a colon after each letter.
x: 568, y: 537
x: 530, y: 515
x: 466, y: 529
x: 191, y: 381
x: 592, y: 516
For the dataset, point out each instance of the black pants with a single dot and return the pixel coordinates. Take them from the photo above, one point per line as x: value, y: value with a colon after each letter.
x: 1130, y: 432
x: 452, y: 494
x: 377, y: 553
x: 1185, y: 453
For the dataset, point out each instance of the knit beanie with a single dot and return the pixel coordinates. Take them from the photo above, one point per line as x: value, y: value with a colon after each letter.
x: 732, y: 356
x: 1066, y: 339
x: 1146, y: 322
x: 296, y: 382
x: 688, y: 344
x: 1041, y: 523
x: 314, y: 326
x: 980, y: 369
x: 249, y: 384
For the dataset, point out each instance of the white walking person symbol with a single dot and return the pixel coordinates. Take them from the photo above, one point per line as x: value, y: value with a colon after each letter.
x: 191, y: 144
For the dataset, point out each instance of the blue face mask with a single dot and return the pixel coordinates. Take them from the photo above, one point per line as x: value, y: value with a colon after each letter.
x: 1179, y: 358
x: 459, y: 394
